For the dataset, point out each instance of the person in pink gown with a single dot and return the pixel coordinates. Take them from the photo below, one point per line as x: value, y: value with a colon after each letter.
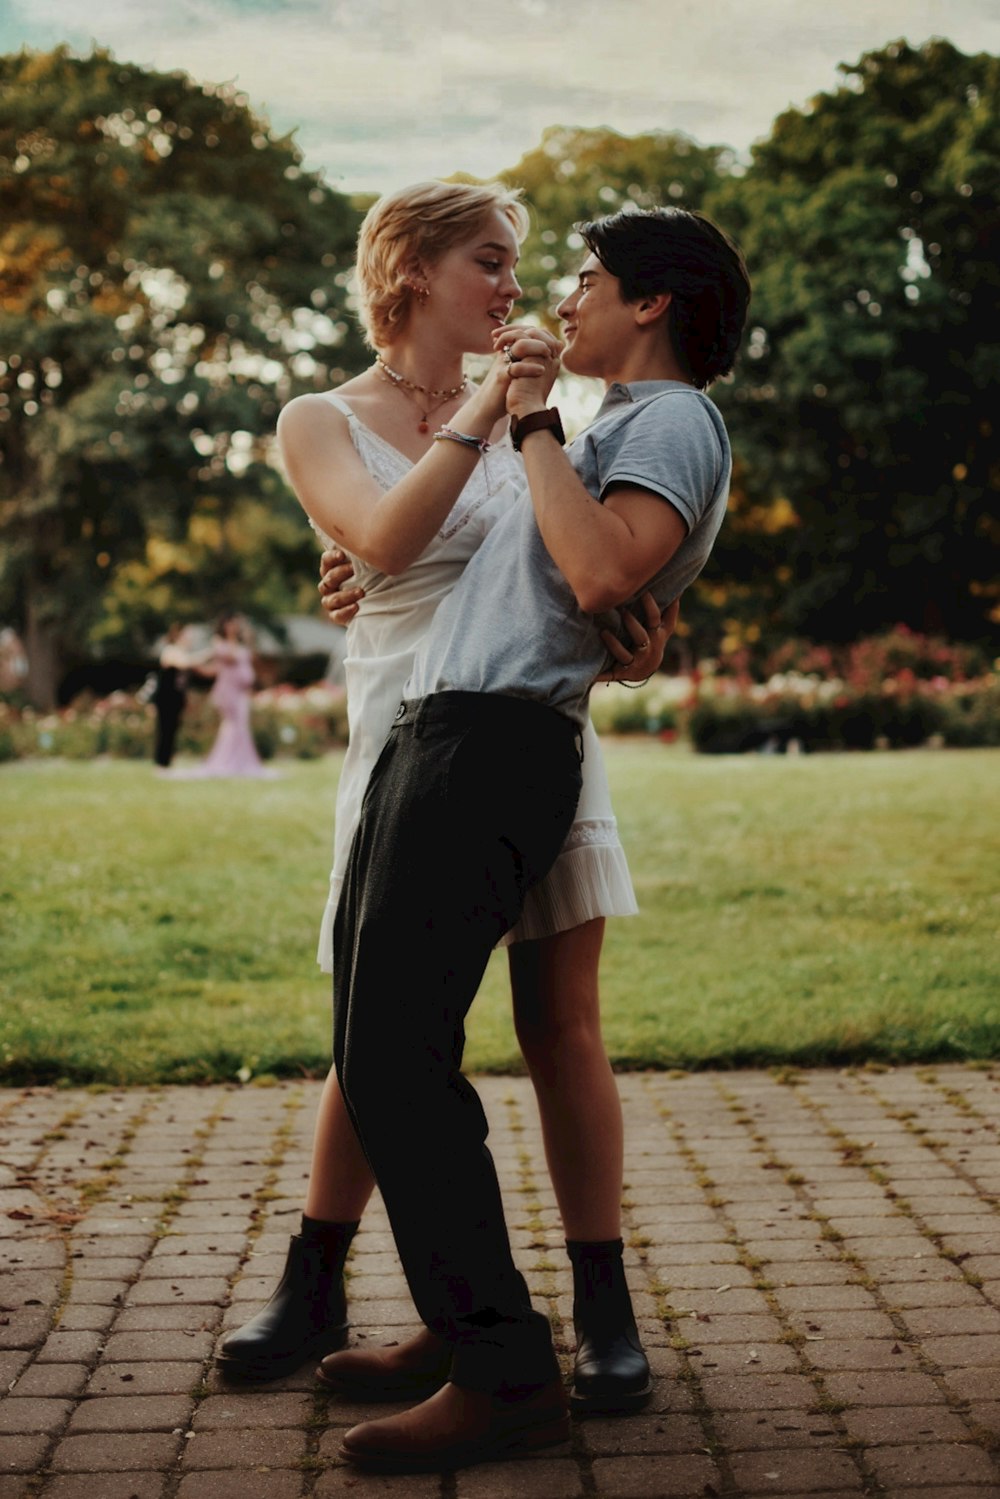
x: 234, y: 752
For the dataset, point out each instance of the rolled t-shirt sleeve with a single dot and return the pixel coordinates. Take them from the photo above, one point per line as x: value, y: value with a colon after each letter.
x: 670, y: 446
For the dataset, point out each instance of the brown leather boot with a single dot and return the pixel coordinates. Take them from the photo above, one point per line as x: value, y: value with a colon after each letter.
x: 400, y: 1371
x: 457, y: 1427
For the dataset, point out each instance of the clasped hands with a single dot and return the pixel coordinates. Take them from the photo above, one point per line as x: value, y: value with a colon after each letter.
x: 524, y: 371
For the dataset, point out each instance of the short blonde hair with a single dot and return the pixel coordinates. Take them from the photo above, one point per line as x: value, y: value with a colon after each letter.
x: 421, y: 222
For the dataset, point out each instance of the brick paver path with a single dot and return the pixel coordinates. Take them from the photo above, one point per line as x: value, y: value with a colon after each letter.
x: 815, y: 1259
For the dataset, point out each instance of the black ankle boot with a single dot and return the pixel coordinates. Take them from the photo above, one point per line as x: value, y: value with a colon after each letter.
x: 611, y: 1373
x: 307, y: 1315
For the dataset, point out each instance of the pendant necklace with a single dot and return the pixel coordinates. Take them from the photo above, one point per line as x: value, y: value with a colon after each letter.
x: 409, y: 387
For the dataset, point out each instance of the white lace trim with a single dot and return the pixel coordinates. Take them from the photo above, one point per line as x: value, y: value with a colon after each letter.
x: 601, y: 831
x: 387, y: 465
x: 486, y: 479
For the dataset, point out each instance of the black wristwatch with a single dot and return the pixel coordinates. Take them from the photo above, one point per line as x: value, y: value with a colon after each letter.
x: 522, y: 426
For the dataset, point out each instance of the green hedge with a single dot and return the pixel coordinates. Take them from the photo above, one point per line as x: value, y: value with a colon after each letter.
x: 729, y: 722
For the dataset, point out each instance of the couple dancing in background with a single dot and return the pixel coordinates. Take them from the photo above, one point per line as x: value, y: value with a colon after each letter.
x: 490, y: 607
x: 229, y: 660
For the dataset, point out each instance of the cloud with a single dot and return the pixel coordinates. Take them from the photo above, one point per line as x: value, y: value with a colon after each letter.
x: 385, y: 91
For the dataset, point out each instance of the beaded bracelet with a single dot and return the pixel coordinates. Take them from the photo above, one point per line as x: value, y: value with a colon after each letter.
x: 448, y: 434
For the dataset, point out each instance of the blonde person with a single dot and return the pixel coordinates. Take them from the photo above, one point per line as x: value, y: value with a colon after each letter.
x: 436, y: 276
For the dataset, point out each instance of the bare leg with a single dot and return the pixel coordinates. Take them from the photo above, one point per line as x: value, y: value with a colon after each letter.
x: 340, y: 1178
x: 557, y: 1016
x: 307, y: 1313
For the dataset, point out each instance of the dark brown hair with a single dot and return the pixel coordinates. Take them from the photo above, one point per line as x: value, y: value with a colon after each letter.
x: 675, y: 250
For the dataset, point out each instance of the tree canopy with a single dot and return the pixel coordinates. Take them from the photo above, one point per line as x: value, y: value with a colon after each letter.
x: 864, y: 410
x: 575, y: 174
x: 169, y: 275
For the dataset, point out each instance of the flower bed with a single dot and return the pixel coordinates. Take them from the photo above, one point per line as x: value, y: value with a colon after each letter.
x: 297, y: 723
x: 893, y: 691
x: 808, y: 713
x: 888, y: 692
x: 656, y: 708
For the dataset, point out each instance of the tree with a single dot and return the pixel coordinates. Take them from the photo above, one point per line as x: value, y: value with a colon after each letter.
x: 169, y: 275
x: 864, y: 412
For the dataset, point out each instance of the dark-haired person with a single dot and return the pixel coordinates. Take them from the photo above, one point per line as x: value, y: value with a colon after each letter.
x: 170, y: 693
x: 472, y: 795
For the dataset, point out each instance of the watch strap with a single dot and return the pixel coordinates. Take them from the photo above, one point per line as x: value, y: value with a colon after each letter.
x: 536, y: 421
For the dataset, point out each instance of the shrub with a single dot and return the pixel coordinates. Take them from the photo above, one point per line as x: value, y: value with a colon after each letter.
x: 727, y: 720
x: 651, y: 709
x: 972, y: 717
x: 305, y: 724
x: 864, y: 663
x: 726, y: 725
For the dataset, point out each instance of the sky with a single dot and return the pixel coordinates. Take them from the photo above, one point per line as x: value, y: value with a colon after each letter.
x: 384, y: 92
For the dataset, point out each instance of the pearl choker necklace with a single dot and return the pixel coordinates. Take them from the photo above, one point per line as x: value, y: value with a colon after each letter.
x: 407, y: 387
x: 398, y: 379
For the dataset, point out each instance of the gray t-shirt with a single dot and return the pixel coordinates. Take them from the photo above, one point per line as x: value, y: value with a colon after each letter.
x: 512, y: 624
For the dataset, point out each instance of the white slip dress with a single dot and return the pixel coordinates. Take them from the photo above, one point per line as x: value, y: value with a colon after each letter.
x: 590, y: 878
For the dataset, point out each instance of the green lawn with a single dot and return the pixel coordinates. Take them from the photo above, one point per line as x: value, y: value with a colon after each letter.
x: 817, y: 909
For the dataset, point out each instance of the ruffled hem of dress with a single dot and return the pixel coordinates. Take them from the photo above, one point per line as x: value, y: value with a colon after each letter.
x: 588, y: 881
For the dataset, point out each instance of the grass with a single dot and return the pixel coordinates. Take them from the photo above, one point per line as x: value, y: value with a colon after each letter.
x: 820, y: 909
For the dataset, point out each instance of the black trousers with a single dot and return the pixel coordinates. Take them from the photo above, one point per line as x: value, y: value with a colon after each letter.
x: 168, y: 721
x: 467, y: 807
